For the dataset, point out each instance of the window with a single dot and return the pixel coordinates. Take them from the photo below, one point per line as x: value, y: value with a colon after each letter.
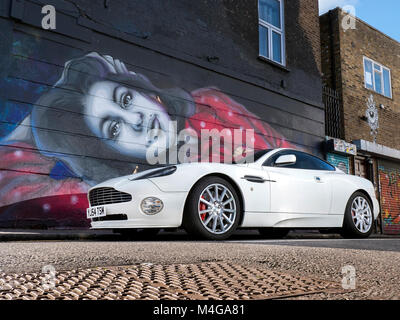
x: 271, y: 30
x: 377, y: 77
x: 303, y: 161
x: 253, y: 157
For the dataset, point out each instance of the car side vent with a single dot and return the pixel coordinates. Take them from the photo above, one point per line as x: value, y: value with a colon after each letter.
x: 103, y: 196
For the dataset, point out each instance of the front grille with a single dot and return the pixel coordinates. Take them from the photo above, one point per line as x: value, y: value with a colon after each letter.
x: 103, y: 196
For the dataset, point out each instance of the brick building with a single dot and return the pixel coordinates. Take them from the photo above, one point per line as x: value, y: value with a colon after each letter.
x: 232, y: 64
x: 361, y: 72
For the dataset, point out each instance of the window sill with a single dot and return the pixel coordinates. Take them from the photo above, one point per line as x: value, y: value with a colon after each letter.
x: 273, y: 63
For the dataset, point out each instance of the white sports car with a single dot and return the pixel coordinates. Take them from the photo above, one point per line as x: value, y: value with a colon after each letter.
x: 281, y: 189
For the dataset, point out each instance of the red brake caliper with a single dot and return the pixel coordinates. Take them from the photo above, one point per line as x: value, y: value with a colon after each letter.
x: 353, y: 214
x: 203, y: 207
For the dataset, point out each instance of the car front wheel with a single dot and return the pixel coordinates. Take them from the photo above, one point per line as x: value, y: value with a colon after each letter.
x: 212, y: 209
x: 358, y: 219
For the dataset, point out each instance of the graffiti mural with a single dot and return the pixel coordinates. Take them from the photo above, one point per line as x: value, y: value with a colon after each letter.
x: 339, y: 161
x: 389, y: 179
x: 93, y: 124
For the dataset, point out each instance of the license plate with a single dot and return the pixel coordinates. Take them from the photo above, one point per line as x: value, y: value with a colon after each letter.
x: 95, y: 212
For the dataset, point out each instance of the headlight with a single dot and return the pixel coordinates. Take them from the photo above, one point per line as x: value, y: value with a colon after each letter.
x: 151, y: 205
x: 161, y: 172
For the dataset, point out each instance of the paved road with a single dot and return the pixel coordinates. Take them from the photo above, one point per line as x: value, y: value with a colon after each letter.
x: 376, y: 261
x: 364, y: 244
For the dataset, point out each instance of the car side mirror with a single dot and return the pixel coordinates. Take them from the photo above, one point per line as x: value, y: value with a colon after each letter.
x: 285, y: 160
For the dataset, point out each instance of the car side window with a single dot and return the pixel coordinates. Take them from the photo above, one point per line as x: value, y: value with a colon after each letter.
x: 311, y: 162
x: 303, y: 161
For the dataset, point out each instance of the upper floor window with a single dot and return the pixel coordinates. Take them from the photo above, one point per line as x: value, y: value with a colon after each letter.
x: 377, y: 77
x: 271, y: 30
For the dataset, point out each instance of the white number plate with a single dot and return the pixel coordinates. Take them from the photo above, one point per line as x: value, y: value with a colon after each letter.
x: 95, y: 212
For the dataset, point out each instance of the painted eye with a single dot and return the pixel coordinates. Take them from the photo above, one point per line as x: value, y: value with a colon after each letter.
x: 115, y: 129
x: 126, y: 100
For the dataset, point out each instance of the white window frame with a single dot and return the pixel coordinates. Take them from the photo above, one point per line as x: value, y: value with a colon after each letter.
x: 382, y: 78
x: 280, y: 31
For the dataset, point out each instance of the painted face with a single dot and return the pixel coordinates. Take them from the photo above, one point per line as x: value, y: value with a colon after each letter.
x: 128, y: 120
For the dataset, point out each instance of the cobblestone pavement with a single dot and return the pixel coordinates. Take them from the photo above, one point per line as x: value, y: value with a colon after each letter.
x: 377, y: 271
x: 214, y: 281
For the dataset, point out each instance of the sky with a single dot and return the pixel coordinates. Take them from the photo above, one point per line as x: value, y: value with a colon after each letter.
x: 382, y: 15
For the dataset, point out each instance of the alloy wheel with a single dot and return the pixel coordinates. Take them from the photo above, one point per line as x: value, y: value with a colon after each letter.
x: 361, y: 214
x: 217, y: 208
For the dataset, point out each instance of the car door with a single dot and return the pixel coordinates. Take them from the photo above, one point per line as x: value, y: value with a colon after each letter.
x: 303, y: 187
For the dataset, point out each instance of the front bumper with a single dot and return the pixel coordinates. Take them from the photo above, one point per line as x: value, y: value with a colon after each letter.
x: 375, y: 204
x: 169, y: 217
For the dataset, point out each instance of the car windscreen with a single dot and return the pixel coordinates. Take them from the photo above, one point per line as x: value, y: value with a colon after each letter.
x: 253, y: 157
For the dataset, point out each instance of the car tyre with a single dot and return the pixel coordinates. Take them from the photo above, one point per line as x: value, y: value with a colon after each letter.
x: 273, y: 233
x: 212, y: 209
x: 358, y: 221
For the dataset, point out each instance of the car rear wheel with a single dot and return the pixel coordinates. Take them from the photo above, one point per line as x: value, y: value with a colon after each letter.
x: 358, y: 219
x: 212, y: 209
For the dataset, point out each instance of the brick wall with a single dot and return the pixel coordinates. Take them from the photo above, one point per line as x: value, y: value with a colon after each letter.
x: 330, y: 50
x: 342, y: 55
x: 308, y: 24
x: 350, y: 47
